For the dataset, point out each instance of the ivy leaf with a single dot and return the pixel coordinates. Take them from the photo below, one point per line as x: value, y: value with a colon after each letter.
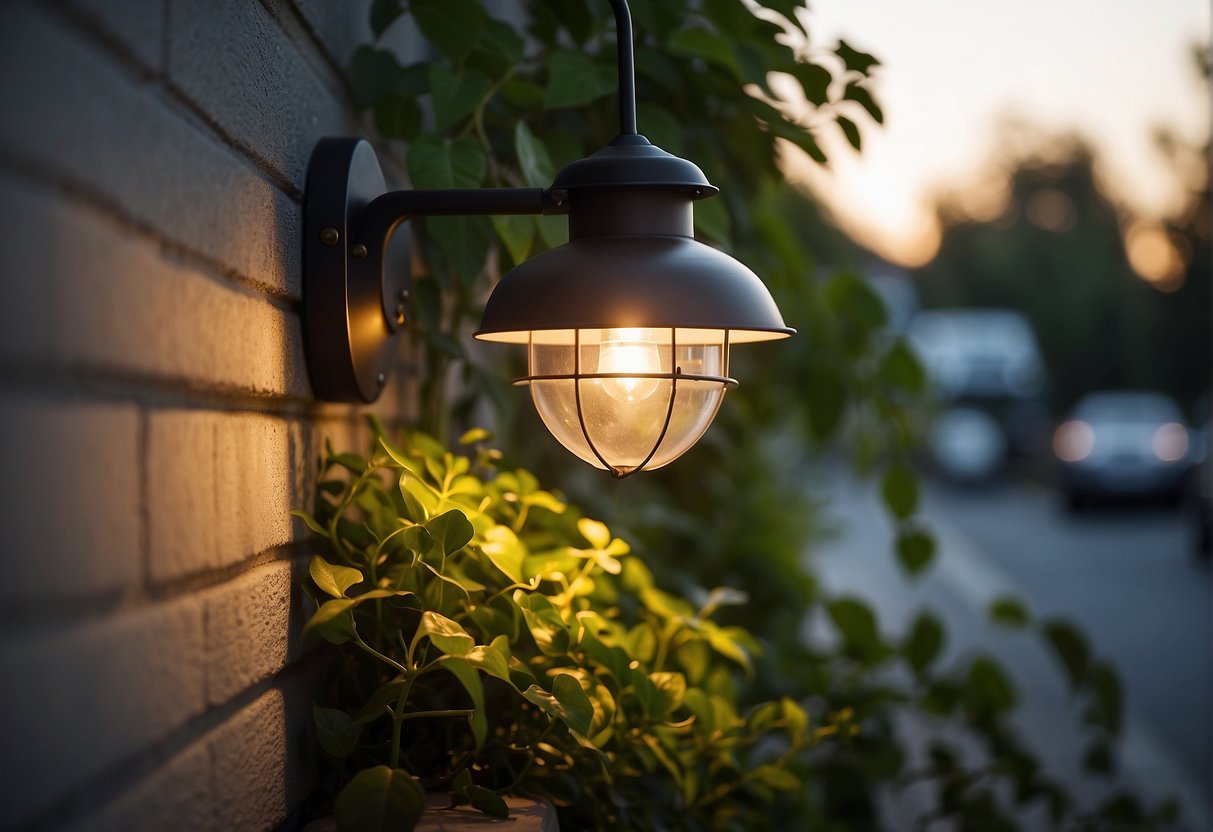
x: 567, y: 702
x: 380, y: 799
x: 827, y: 396
x: 517, y: 231
x: 777, y: 777
x: 488, y: 801
x: 310, y: 521
x: 502, y: 41
x: 598, y: 535
x: 1009, y: 612
x: 814, y: 80
x: 533, y: 159
x: 377, y: 705
x: 857, y: 624
x: 900, y: 366
x: 1107, y: 707
x: 332, y: 579
x: 502, y: 547
x: 851, y: 131
x: 455, y: 96
x: 862, y: 97
x: 900, y: 491
x: 465, y: 241
x: 490, y: 659
x: 451, y: 530
x: 855, y: 60
x: 335, y: 731
x: 398, y: 117
x: 915, y: 550
x: 435, y: 162
x: 333, y: 621
x: 474, y: 435
x: 469, y: 677
x: 574, y: 79
x: 447, y: 635
x: 987, y: 686
x: 1071, y: 648
x: 384, y: 13
x: 924, y: 641
x: 453, y: 27
x: 374, y: 73
x: 698, y: 42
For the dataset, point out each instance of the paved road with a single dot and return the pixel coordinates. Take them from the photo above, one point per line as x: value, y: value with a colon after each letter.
x: 1124, y: 575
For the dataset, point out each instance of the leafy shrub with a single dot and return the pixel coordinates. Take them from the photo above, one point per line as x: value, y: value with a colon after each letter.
x: 491, y: 638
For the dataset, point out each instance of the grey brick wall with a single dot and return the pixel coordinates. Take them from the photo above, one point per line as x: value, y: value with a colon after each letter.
x: 156, y: 421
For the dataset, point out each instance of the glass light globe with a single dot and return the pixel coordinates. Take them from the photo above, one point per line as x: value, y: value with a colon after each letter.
x: 628, y: 398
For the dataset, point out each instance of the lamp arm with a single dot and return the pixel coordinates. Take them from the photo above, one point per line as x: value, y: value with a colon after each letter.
x: 627, y: 66
x: 376, y: 222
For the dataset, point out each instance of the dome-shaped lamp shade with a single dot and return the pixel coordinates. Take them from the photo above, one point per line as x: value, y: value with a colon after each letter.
x: 628, y: 341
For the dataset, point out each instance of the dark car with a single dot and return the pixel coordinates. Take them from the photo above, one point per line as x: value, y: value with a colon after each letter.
x: 1122, y: 444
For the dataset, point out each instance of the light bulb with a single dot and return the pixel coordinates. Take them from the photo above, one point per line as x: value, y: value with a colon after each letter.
x: 629, y: 350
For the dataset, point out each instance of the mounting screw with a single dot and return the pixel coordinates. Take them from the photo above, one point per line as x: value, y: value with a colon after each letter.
x: 358, y: 251
x: 381, y: 379
x: 404, y: 295
x: 699, y: 192
x: 329, y: 235
x: 400, y: 314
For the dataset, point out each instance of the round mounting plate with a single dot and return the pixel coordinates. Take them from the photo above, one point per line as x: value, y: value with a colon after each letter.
x: 349, y: 303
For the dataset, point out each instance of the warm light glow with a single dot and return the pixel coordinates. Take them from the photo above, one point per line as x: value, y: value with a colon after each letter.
x: 625, y: 423
x: 1074, y: 441
x: 1153, y: 256
x: 629, y: 350
x: 1170, y: 442
x: 1051, y: 210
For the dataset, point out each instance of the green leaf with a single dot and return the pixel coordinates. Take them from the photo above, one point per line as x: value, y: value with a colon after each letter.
x: 924, y: 641
x: 455, y: 96
x: 502, y: 547
x: 857, y: 301
x: 857, y: 624
x: 1107, y: 706
x: 451, y: 530
x: 1071, y: 648
x: 465, y: 241
x: 777, y: 777
x: 491, y: 659
x: 863, y: 98
x: 915, y: 550
x: 1097, y: 759
x: 1009, y: 612
x: 384, y: 13
x: 712, y: 220
x: 855, y: 60
x: 987, y: 686
x: 900, y: 491
x: 901, y: 367
x: 333, y: 621
x: 517, y: 232
x: 534, y: 162
x: 488, y: 802
x: 311, y: 522
x: 826, y: 391
x: 331, y: 579
x: 669, y: 689
x: 437, y: 163
x: 447, y: 635
x: 335, y: 731
x: 374, y: 73
x: 474, y: 435
x: 469, y: 677
x: 503, y: 41
x: 574, y: 79
x: 398, y: 117
x: 598, y: 535
x: 814, y: 80
x: 377, y: 705
x: 379, y: 799
x: 567, y: 702
x: 453, y: 27
x: 698, y: 42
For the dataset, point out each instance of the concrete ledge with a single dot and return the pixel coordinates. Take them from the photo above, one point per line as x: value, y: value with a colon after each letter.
x: 526, y: 815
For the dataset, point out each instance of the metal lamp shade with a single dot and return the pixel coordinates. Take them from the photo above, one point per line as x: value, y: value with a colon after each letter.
x: 628, y: 336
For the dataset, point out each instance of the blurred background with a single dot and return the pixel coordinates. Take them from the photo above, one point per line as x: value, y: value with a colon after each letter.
x: 1035, y: 212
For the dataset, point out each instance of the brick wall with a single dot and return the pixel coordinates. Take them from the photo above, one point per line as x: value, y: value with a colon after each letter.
x: 156, y: 421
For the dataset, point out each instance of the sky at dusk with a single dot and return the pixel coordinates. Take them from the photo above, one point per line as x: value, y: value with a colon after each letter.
x: 955, y: 70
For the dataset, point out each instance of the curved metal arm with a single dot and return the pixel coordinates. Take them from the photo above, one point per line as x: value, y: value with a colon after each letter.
x: 627, y: 66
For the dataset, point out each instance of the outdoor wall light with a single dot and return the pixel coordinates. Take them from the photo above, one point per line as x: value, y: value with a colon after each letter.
x: 627, y: 326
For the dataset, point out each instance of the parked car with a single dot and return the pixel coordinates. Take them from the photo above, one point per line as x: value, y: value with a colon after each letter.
x: 1122, y: 444
x: 985, y: 367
